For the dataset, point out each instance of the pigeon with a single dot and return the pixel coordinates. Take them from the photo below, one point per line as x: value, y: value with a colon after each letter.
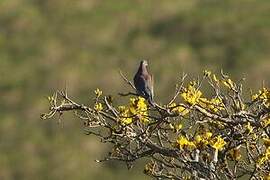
x: 143, y: 82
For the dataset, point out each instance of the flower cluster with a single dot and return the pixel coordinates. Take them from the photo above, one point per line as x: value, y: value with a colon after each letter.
x: 265, y: 122
x: 179, y: 109
x: 229, y: 83
x: 137, y: 109
x: 183, y: 143
x: 218, y: 143
x: 149, y: 168
x: 249, y: 128
x: 176, y: 127
x: 98, y: 92
x: 191, y: 95
x: 98, y: 107
x: 263, y: 95
x: 203, y: 138
x: 214, y: 104
x: 264, y: 158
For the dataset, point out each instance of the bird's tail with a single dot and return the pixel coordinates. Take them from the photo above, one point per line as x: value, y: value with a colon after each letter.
x: 151, y: 102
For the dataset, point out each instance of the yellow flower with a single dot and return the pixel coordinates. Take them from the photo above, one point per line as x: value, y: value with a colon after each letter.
x: 132, y: 101
x: 124, y: 115
x: 133, y: 110
x: 266, y: 142
x: 121, y: 108
x: 171, y: 126
x: 265, y: 157
x: 218, y: 143
x: 141, y: 103
x: 179, y: 109
x: 126, y: 120
x: 140, y: 109
x: 208, y: 134
x: 191, y: 95
x: 203, y: 138
x: 265, y: 122
x: 148, y: 168
x: 182, y: 110
x: 177, y: 127
x: 267, y: 176
x: 206, y: 73
x: 249, y: 128
x: 183, y: 142
x: 214, y: 104
x: 98, y: 92
x: 98, y: 107
x: 215, y: 78
x: 229, y: 83
x: 254, y: 97
x: 137, y: 108
x: 217, y: 104
x: 198, y: 139
x: 263, y: 95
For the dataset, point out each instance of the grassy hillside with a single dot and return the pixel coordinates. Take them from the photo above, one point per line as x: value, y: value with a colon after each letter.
x: 46, y: 45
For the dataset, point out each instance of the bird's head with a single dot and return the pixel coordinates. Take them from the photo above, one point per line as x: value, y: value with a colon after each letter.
x: 144, y: 63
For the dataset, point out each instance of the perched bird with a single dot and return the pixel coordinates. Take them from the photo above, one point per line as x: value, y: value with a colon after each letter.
x: 143, y: 82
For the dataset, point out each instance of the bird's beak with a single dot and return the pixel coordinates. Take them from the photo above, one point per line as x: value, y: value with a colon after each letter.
x: 145, y: 63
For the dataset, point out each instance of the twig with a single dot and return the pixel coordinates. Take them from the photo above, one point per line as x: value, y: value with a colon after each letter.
x: 126, y: 80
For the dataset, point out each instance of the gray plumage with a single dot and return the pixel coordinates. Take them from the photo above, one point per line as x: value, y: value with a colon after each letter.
x: 143, y: 82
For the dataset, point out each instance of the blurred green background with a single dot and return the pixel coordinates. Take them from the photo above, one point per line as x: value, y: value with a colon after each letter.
x: 47, y: 44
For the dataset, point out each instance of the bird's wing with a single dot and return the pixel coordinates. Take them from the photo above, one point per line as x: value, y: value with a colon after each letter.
x: 144, y: 83
x: 151, y: 85
x: 140, y: 84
